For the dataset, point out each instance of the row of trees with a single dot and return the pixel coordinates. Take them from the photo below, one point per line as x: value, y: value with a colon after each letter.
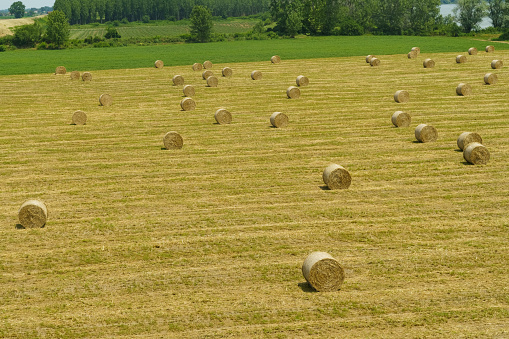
x: 87, y: 11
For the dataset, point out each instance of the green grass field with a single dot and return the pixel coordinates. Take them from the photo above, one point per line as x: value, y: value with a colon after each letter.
x: 208, y: 241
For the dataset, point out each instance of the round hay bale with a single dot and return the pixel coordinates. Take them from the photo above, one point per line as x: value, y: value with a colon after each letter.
x: 173, y: 140
x: 86, y: 76
x: 490, y: 78
x: 416, y: 50
x: 472, y: 51
x: 278, y: 119
x: 412, y: 55
x: 476, y: 154
x: 207, y: 64
x: 369, y: 57
x: 293, y: 92
x: 497, y: 64
x: 227, y: 72
x: 178, y: 80
x: 401, y: 96
x: 461, y: 59
x: 323, y: 272
x: 490, y: 49
x: 197, y: 66
x: 302, y: 80
x: 60, y: 70
x: 212, y: 81
x: 79, y: 118
x: 275, y: 59
x: 188, y: 91
x: 75, y: 75
x: 33, y: 214
x: 159, y: 64
x: 256, y: 75
x: 428, y: 63
x: 374, y: 62
x: 466, y: 138
x: 426, y: 133
x: 105, y: 100
x: 336, y: 177
x: 464, y: 89
x: 187, y: 104
x: 206, y: 74
x: 223, y: 116
x: 401, y: 119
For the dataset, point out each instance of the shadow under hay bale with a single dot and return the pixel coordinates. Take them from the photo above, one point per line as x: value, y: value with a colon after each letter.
x: 279, y: 120
x: 158, y: 64
x: 86, y: 76
x: 490, y: 78
x: 428, y: 63
x: 105, y: 100
x: 275, y: 59
x: 60, y: 70
x: 79, y: 118
x: 476, y: 154
x: 426, y: 133
x: 178, y: 80
x: 401, y: 119
x: 302, y: 80
x: 227, y: 72
x: 256, y: 75
x: 173, y: 140
x: 336, y: 177
x: 197, y: 66
x: 75, y: 75
x: 293, y: 92
x: 467, y: 138
x: 223, y: 116
x: 187, y: 104
x: 463, y: 89
x: 323, y: 272
x: 188, y: 91
x: 472, y: 51
x: 401, y: 96
x: 33, y: 214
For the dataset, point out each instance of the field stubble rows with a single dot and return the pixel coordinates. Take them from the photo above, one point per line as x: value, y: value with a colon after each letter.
x: 209, y: 240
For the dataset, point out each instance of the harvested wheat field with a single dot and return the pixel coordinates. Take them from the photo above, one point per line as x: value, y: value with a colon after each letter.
x: 209, y: 240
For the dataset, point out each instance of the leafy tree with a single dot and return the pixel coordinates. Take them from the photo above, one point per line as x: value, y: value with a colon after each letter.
x: 288, y: 16
x: 17, y: 9
x: 389, y: 16
x: 64, y: 6
x: 27, y: 35
x: 469, y: 14
x: 423, y: 16
x: 320, y: 16
x: 497, y: 10
x: 201, y: 23
x: 57, y: 31
x: 112, y: 33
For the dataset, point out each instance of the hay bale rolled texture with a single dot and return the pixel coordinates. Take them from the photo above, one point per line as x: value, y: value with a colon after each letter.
x: 188, y: 91
x: 374, y: 62
x: 490, y: 78
x: 60, y: 70
x: 206, y: 74
x: 302, y: 80
x: 86, y: 76
x: 212, y: 81
x: 33, y: 214
x: 416, y: 50
x: 476, y: 154
x: 207, y: 64
x: 79, y: 118
x: 461, y: 59
x: 466, y: 138
x: 159, y: 64
x: 369, y: 57
x: 173, y: 140
x: 293, y: 92
x: 490, y: 49
x: 401, y: 119
x: 187, y: 104
x: 279, y: 120
x: 256, y: 75
x: 412, y: 55
x: 227, y: 72
x: 323, y: 272
x: 75, y: 75
x: 426, y: 133
x: 105, y: 100
x: 464, y: 89
x: 428, y: 63
x: 401, y: 96
x: 497, y: 64
x: 336, y: 177
x: 472, y: 51
x: 275, y: 59
x: 223, y: 116
x: 178, y: 80
x: 197, y: 66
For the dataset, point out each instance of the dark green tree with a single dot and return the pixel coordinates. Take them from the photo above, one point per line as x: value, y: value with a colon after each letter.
x: 64, y: 6
x: 497, y: 11
x: 57, y: 31
x: 27, y: 35
x: 17, y: 9
x: 201, y: 24
x: 112, y: 33
x: 288, y: 16
x: 423, y: 16
x: 469, y: 14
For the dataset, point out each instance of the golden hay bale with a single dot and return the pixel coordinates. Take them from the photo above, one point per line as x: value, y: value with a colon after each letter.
x: 336, y: 177
x: 223, y: 116
x: 401, y: 119
x: 490, y: 78
x: 374, y: 62
x: 401, y: 96
x: 426, y: 133
x: 33, y: 214
x: 275, y: 59
x: 416, y: 50
x: 206, y: 74
x: 464, y: 89
x: 197, y: 66
x: 75, y: 75
x: 476, y: 154
x: 207, y: 64
x: 173, y: 140
x: 497, y: 64
x: 428, y: 63
x: 86, y: 76
x: 302, y: 80
x: 79, y: 118
x: 278, y: 119
x: 188, y: 91
x: 212, y: 81
x: 323, y: 272
x: 159, y: 64
x: 227, y: 72
x: 490, y: 49
x: 461, y: 59
x: 369, y: 57
x: 178, y: 80
x: 105, y: 100
x: 466, y: 138
x: 60, y: 70
x: 472, y: 51
x: 256, y: 75
x: 412, y: 55
x: 293, y: 92
x: 187, y: 104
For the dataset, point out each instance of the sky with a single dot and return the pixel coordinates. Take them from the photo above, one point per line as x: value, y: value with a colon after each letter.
x: 4, y: 4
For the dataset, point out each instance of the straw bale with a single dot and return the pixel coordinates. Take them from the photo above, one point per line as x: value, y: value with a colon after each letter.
x: 412, y: 55
x: 79, y: 118
x: 223, y: 116
x: 256, y: 75
x: 293, y: 92
x: 401, y: 119
x: 497, y: 64
x: 369, y: 57
x: 490, y: 78
x: 428, y: 63
x: 336, y: 177
x: 33, y: 214
x: 476, y: 154
x: 159, y: 64
x: 275, y: 59
x: 461, y: 59
x: 206, y: 74
x: 464, y: 89
x: 75, y: 75
x: 188, y: 91
x: 207, y: 64
x: 401, y: 96
x: 323, y: 272
x: 212, y: 81
x: 60, y: 70
x: 178, y: 80
x: 278, y: 119
x: 86, y: 76
x: 417, y: 50
x: 227, y: 72
x: 187, y: 104
x: 472, y: 51
x: 466, y: 138
x: 173, y: 140
x: 490, y: 49
x: 302, y: 80
x: 374, y: 61
x: 197, y: 66
x: 426, y: 133
x: 105, y: 100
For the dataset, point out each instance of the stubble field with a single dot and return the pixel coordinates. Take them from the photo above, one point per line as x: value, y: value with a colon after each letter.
x: 208, y: 241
